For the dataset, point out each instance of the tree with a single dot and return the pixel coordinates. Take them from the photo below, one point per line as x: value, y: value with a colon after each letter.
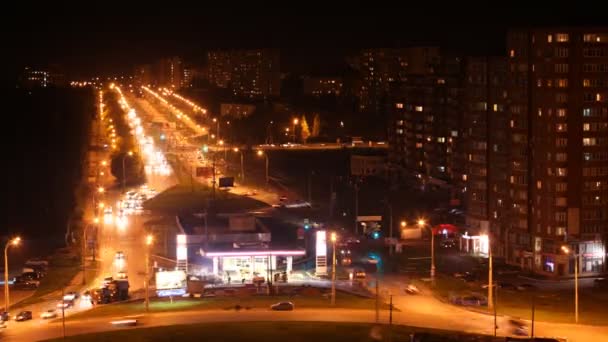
x: 316, y: 125
x: 134, y: 168
x: 305, y: 131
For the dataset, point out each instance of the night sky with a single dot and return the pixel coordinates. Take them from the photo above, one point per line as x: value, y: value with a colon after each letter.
x: 87, y: 45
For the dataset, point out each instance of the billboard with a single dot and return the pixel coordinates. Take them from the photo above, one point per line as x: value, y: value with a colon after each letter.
x: 170, y: 280
x: 321, y: 253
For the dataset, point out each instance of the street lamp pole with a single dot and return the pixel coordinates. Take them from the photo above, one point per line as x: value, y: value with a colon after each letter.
x: 333, y: 272
x: 576, y: 261
x: 421, y: 224
x: 12, y: 242
x: 149, y: 240
x: 295, y: 122
x: 490, y: 280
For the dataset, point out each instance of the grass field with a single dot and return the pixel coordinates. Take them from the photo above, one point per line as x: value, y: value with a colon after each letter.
x: 271, y: 331
x: 550, y: 306
x: 163, y: 305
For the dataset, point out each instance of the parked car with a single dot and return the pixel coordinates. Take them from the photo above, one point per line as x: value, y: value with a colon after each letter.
x: 51, y: 313
x: 469, y: 300
x: 526, y: 287
x: 282, y: 306
x: 23, y: 316
x: 600, y: 282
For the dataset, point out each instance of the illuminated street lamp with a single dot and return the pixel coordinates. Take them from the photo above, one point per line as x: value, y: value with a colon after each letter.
x: 333, y: 272
x: 295, y: 122
x: 403, y: 224
x: 422, y: 223
x: 576, y: 256
x: 12, y: 242
x: 149, y: 241
x: 101, y: 189
x: 261, y: 153
x: 242, y: 164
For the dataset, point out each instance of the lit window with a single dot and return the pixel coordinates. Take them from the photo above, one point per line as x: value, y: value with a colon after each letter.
x: 441, y: 139
x: 549, y: 38
x: 419, y: 108
x: 539, y: 184
x: 598, y: 97
x: 561, y: 112
x: 561, y: 171
x: 589, y: 142
x: 561, y: 37
x: 512, y: 53
x: 418, y: 145
x: 399, y: 105
x: 587, y: 112
x: 562, y: 83
x: 586, y: 127
x: 464, y: 177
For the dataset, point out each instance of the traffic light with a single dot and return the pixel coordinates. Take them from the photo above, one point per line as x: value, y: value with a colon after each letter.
x: 306, y: 226
x: 376, y: 235
x: 205, y: 148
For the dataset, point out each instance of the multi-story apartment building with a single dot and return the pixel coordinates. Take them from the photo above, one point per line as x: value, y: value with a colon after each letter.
x: 558, y: 94
x: 250, y: 74
x: 424, y: 131
x: 486, y: 135
x: 170, y: 72
x: 378, y: 68
x: 322, y: 86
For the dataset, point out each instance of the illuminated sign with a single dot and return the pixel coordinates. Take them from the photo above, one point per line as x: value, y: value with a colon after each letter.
x: 170, y: 280
x: 182, y: 249
x: 321, y: 253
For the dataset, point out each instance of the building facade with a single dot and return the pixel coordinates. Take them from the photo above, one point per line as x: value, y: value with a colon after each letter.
x: 253, y: 74
x: 559, y: 148
x: 322, y: 86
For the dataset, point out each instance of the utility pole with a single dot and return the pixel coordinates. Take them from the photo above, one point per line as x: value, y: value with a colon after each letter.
x: 333, y: 270
x: 242, y: 168
x: 390, y: 226
x: 62, y: 311
x: 390, y: 313
x: 533, y: 312
x: 377, y: 300
x: 490, y: 280
x: 356, y: 208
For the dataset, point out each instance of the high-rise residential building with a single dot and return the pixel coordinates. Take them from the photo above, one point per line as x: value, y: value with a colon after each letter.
x: 170, y: 72
x: 187, y: 77
x: 378, y: 68
x: 252, y: 74
x: 320, y: 86
x: 558, y: 177
x: 424, y: 130
x: 143, y: 75
x: 41, y: 78
x: 486, y: 137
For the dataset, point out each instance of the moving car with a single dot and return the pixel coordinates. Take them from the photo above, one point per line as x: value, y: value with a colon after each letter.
x: 66, y: 304
x: 412, y: 289
x: 70, y: 296
x: 282, y: 306
x: 51, y: 313
x: 23, y: 316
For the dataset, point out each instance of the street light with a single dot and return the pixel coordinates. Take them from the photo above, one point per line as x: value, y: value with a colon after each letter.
x: 333, y: 272
x: 101, y: 190
x: 149, y: 241
x: 12, y: 242
x: 576, y: 256
x: 295, y: 122
x: 261, y: 153
x: 128, y: 154
x: 242, y: 164
x: 403, y: 224
x: 422, y: 223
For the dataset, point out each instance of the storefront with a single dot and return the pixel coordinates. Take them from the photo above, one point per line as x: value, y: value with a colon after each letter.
x: 477, y: 245
x: 244, y: 266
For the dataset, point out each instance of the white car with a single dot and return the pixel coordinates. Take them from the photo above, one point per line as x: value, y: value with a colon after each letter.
x: 52, y: 313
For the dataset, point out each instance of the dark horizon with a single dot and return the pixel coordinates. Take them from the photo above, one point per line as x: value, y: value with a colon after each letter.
x: 86, y: 46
